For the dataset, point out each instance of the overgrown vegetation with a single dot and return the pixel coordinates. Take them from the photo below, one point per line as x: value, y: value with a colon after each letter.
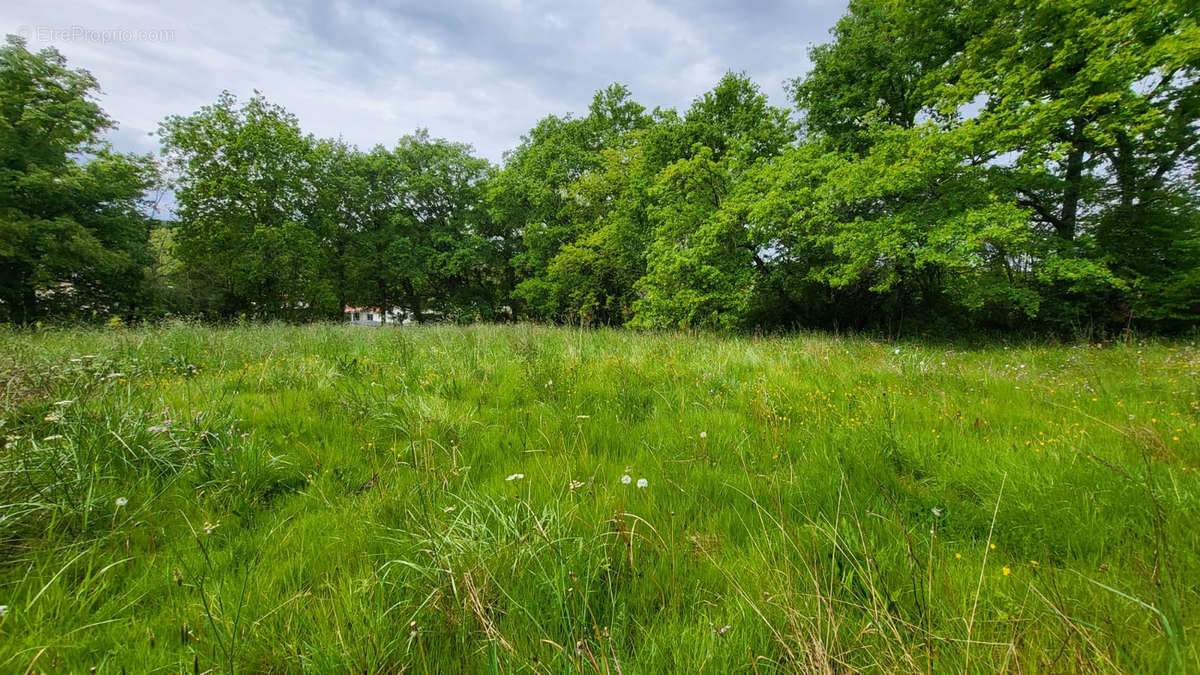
x: 948, y: 165
x: 441, y: 499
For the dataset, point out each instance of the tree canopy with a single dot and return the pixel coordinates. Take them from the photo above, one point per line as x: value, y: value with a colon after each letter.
x: 1026, y: 164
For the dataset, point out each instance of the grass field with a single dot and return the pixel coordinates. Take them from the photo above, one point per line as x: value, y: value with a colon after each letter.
x: 500, y: 499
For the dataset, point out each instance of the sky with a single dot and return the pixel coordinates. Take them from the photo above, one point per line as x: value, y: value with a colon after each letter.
x: 476, y: 71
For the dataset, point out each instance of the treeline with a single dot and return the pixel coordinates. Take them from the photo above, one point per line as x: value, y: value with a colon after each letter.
x: 950, y: 165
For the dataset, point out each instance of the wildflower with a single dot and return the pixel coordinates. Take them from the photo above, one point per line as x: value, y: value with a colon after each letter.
x: 1034, y: 563
x: 121, y: 501
x: 642, y: 482
x: 896, y: 350
x: 626, y: 479
x: 3, y: 611
x: 1006, y: 571
x: 937, y: 512
x: 515, y: 476
x: 703, y: 434
x: 958, y: 556
x: 576, y: 484
x: 209, y: 527
x: 992, y: 546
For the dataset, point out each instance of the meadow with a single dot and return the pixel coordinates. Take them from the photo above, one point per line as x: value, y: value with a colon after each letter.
x: 271, y: 498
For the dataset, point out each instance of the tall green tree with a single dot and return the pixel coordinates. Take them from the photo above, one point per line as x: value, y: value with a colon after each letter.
x: 1098, y: 104
x: 539, y: 197
x: 1080, y: 115
x: 245, y: 182
x: 73, y: 230
x: 703, y: 264
x: 451, y: 256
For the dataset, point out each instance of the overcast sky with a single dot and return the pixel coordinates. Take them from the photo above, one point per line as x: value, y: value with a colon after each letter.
x: 478, y: 71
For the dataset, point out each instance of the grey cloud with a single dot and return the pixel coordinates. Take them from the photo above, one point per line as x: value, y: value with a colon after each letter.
x: 479, y: 71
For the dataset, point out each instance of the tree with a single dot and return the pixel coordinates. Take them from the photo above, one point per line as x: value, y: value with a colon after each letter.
x: 73, y: 234
x: 1078, y: 115
x: 884, y: 57
x: 538, y: 197
x: 703, y: 265
x: 1098, y: 103
x: 452, y: 261
x: 245, y: 183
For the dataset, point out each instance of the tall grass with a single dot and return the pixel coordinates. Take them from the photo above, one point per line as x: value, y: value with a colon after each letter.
x: 442, y: 499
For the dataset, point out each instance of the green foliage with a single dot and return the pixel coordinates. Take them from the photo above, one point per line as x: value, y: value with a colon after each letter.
x: 73, y: 235
x: 245, y: 183
x: 1023, y: 165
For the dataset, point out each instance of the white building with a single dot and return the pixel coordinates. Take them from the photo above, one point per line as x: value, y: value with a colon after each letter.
x: 372, y: 316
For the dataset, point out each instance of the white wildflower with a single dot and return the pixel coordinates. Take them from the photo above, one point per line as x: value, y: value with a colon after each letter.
x: 3, y: 611
x: 516, y: 476
x: 642, y: 482
x: 121, y: 501
x: 703, y: 434
x: 937, y: 512
x: 626, y: 479
x: 896, y: 351
x: 576, y: 484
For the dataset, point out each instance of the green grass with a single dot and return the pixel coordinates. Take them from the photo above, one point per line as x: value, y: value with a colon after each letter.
x: 444, y: 499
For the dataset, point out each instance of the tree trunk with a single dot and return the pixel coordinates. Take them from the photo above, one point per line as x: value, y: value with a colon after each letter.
x: 1074, y: 179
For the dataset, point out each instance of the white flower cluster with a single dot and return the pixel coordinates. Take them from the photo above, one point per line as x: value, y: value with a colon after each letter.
x: 641, y: 482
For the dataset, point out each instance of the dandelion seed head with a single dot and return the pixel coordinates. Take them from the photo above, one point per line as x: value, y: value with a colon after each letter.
x: 642, y: 482
x: 122, y: 501
x: 626, y: 479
